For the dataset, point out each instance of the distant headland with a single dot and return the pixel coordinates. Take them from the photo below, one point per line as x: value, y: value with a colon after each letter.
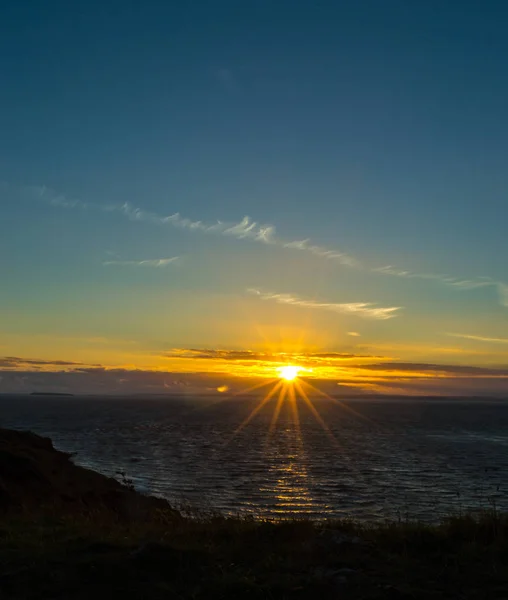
x: 50, y: 394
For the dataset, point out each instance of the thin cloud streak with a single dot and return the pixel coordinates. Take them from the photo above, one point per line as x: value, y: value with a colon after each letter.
x: 479, y: 338
x: 249, y: 229
x: 361, y: 309
x: 156, y: 262
x: 503, y: 293
x: 244, y: 229
x: 464, y: 284
x: 454, y: 282
x: 322, y: 252
x: 417, y: 368
x: 16, y: 361
x: 257, y: 356
x: 62, y: 202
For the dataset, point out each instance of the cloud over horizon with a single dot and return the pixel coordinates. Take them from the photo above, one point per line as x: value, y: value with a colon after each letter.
x: 301, y: 358
x: 342, y: 373
x: 15, y: 363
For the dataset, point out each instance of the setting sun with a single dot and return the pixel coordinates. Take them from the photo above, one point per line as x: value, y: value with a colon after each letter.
x: 289, y: 373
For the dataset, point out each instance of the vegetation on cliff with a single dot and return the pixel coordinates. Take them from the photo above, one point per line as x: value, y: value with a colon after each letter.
x: 70, y: 533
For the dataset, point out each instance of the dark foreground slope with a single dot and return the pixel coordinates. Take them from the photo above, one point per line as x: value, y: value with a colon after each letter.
x: 36, y: 477
x: 68, y: 533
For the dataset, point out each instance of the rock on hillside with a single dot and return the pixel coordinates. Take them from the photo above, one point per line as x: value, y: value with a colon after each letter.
x: 35, y: 476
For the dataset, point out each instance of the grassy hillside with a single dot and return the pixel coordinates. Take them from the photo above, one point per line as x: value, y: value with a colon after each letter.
x: 69, y: 533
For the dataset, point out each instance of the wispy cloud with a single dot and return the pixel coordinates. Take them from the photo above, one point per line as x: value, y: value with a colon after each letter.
x: 425, y: 379
x: 361, y: 309
x: 418, y: 368
x: 503, y: 293
x: 479, y: 338
x: 63, y: 202
x: 14, y: 363
x: 353, y: 333
x: 156, y: 262
x: 267, y: 234
x: 322, y: 252
x: 217, y: 354
x: 455, y: 282
x: 245, y: 229
x: 249, y: 229
x: 257, y: 356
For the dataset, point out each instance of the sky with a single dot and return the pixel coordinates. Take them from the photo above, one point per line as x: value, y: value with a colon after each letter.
x: 193, y: 193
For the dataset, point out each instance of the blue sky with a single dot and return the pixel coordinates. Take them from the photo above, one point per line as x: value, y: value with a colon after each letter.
x: 366, y: 141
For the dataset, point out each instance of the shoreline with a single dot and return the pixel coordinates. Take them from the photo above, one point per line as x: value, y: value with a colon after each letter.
x: 68, y: 533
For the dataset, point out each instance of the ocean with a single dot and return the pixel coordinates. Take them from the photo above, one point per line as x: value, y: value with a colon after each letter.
x: 368, y: 459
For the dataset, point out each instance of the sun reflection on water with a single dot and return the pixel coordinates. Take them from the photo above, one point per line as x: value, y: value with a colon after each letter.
x: 291, y: 389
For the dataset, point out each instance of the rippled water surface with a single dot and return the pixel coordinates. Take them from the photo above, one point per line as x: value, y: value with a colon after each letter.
x: 388, y: 459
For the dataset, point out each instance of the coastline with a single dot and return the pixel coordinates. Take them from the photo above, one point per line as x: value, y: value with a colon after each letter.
x: 67, y: 532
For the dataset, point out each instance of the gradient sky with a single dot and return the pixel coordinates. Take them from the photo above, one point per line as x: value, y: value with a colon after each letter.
x: 366, y: 142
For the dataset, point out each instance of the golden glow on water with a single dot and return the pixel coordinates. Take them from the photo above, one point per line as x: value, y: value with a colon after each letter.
x: 293, y: 391
x: 288, y: 389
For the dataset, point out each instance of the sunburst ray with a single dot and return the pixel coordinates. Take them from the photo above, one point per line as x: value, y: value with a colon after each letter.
x: 314, y: 411
x: 255, y: 411
x: 276, y: 412
x: 336, y: 401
